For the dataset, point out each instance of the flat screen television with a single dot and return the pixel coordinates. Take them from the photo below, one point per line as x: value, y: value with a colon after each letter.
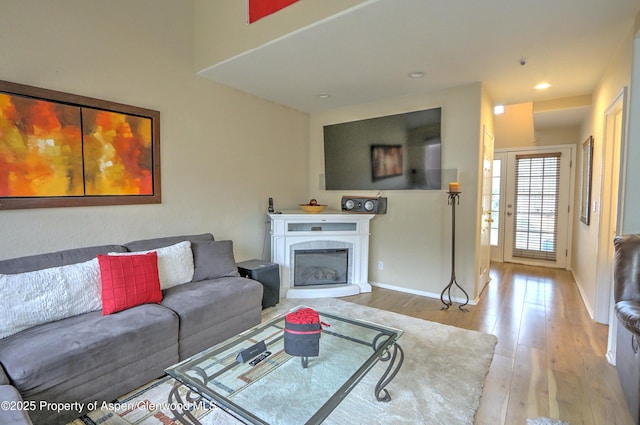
x: 393, y: 152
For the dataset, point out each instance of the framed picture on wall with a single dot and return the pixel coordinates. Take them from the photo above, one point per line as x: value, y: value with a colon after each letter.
x: 62, y: 150
x: 386, y: 161
x: 587, y: 171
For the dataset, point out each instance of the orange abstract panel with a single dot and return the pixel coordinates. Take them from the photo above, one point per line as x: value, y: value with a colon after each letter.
x: 118, y: 156
x: 40, y: 148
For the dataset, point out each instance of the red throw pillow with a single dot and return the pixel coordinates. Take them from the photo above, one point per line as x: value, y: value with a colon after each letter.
x: 128, y: 281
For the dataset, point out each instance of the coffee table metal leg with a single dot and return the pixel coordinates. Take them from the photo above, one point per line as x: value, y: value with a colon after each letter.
x: 395, y: 360
x: 176, y: 402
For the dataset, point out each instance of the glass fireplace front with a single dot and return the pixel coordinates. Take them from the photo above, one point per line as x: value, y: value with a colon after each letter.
x: 321, y: 267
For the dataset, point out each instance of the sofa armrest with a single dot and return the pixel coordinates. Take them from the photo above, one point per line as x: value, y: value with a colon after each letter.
x: 626, y: 269
x: 10, y: 414
x: 628, y: 313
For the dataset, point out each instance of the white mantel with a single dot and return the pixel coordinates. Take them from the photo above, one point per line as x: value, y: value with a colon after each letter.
x: 298, y: 228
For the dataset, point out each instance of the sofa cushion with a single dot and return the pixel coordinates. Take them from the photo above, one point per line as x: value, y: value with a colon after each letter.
x: 201, y: 305
x: 175, y: 263
x: 56, y: 259
x: 86, y: 346
x: 213, y: 259
x: 128, y: 281
x: 12, y: 416
x: 40, y: 296
x: 147, y: 244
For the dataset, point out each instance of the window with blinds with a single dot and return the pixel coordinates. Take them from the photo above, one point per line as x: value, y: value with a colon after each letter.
x: 536, y: 206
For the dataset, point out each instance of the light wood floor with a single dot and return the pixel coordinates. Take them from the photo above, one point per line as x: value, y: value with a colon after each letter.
x: 550, y: 358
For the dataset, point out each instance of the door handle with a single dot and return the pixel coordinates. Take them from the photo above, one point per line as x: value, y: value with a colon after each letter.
x: 509, y: 213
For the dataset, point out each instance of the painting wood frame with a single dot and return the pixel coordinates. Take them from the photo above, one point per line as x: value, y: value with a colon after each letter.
x: 386, y: 161
x: 65, y: 150
x: 587, y: 171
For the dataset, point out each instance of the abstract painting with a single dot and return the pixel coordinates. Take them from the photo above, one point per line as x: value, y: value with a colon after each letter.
x: 117, y: 153
x: 40, y: 148
x: 59, y: 150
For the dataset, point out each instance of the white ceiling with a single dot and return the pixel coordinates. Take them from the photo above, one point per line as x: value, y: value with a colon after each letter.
x: 366, y: 53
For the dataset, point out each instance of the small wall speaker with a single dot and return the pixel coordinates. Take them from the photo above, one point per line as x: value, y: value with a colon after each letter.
x: 368, y: 205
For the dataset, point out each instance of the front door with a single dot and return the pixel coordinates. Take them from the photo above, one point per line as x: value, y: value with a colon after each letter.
x: 537, y: 206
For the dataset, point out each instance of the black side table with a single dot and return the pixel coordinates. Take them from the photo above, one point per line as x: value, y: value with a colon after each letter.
x: 266, y: 273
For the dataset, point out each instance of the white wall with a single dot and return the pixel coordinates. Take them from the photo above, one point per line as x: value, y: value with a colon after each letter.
x: 585, y: 241
x: 223, y: 152
x: 514, y: 127
x: 558, y: 136
x: 631, y: 195
x: 413, y: 239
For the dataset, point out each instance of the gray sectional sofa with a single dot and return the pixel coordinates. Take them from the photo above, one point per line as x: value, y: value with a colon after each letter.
x: 96, y: 357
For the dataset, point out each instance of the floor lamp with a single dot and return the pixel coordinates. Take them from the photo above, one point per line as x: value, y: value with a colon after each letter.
x: 453, y: 199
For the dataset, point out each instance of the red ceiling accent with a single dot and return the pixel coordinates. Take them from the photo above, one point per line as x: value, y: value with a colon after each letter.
x: 260, y: 8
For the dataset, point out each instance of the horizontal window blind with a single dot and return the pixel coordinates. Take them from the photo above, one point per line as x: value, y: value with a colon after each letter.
x: 536, y: 206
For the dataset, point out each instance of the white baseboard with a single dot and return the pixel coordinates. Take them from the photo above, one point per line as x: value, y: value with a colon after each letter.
x: 611, y: 358
x: 421, y: 293
x: 585, y: 300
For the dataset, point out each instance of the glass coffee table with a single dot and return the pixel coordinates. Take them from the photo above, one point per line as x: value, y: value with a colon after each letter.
x: 268, y: 386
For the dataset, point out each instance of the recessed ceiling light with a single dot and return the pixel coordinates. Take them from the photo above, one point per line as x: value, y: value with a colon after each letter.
x: 498, y: 109
x: 324, y: 95
x: 416, y: 74
x: 542, y: 86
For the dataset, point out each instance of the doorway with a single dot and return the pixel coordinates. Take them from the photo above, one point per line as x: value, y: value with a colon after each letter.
x: 611, y: 150
x: 498, y: 185
x: 486, y: 217
x: 535, y: 204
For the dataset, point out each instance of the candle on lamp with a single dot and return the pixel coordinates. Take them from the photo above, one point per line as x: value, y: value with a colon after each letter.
x: 454, y: 187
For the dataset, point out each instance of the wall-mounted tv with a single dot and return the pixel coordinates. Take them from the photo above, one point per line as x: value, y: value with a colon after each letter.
x: 393, y: 152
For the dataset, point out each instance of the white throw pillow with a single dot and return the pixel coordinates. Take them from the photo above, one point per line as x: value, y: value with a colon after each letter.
x: 175, y: 263
x: 42, y: 296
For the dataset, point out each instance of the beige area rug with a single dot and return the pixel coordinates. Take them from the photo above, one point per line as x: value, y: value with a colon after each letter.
x: 440, y: 381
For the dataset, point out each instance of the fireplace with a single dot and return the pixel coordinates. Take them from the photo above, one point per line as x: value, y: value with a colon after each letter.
x: 320, y: 267
x: 321, y: 255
